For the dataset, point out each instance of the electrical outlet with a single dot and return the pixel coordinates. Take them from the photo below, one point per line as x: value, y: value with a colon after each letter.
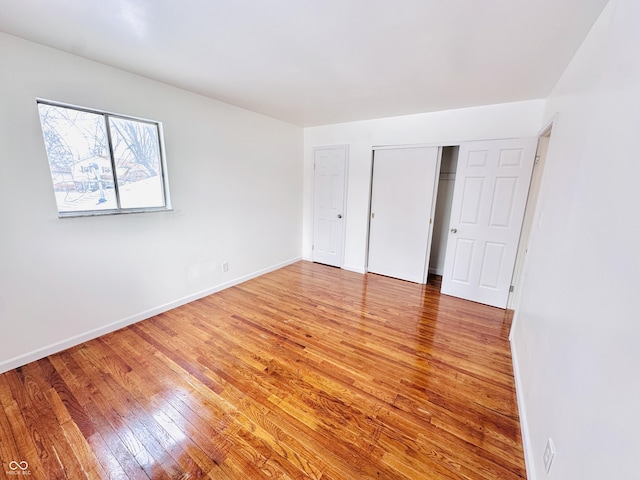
x: 549, y: 453
x: 225, y: 267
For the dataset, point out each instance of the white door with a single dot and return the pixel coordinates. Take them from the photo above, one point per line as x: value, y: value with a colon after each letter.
x: 329, y: 185
x: 489, y: 199
x: 402, y: 201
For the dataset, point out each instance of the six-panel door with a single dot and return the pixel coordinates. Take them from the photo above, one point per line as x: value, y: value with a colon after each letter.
x: 489, y: 199
x: 329, y: 185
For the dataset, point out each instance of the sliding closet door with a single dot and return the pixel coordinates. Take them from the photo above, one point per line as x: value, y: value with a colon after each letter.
x: 402, y: 201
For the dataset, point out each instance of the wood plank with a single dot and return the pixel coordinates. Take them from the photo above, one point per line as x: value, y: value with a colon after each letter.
x: 308, y: 372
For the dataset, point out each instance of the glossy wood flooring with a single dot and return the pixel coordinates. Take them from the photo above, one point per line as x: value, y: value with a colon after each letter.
x: 306, y: 372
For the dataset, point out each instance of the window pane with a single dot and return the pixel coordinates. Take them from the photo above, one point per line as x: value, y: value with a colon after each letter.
x: 138, y: 167
x: 79, y: 159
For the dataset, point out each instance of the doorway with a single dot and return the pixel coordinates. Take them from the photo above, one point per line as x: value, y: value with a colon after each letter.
x: 444, y: 199
x: 527, y: 224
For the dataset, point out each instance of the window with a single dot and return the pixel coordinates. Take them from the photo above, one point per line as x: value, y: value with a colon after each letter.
x: 102, y: 163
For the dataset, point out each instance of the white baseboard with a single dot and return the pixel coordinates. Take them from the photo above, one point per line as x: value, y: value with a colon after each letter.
x: 39, y: 353
x: 522, y: 413
x: 354, y: 269
x: 435, y: 271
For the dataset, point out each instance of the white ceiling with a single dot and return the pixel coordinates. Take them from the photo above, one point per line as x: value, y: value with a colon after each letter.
x: 314, y: 62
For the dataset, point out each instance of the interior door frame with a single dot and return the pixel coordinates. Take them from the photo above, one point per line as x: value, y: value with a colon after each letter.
x: 344, y: 147
x: 532, y: 209
x: 433, y: 203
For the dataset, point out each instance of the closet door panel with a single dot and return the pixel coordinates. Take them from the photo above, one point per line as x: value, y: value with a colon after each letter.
x: 402, y: 200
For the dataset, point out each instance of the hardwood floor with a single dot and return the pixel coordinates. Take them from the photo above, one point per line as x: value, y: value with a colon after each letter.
x: 306, y: 372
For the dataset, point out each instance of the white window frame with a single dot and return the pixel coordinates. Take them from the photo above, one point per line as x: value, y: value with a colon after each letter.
x: 163, y: 163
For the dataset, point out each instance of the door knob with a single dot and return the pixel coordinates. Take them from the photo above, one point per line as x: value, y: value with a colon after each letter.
x: 454, y: 230
x: 339, y: 215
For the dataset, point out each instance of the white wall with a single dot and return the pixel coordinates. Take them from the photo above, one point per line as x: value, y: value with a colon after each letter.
x: 521, y: 119
x: 576, y: 335
x: 236, y: 188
